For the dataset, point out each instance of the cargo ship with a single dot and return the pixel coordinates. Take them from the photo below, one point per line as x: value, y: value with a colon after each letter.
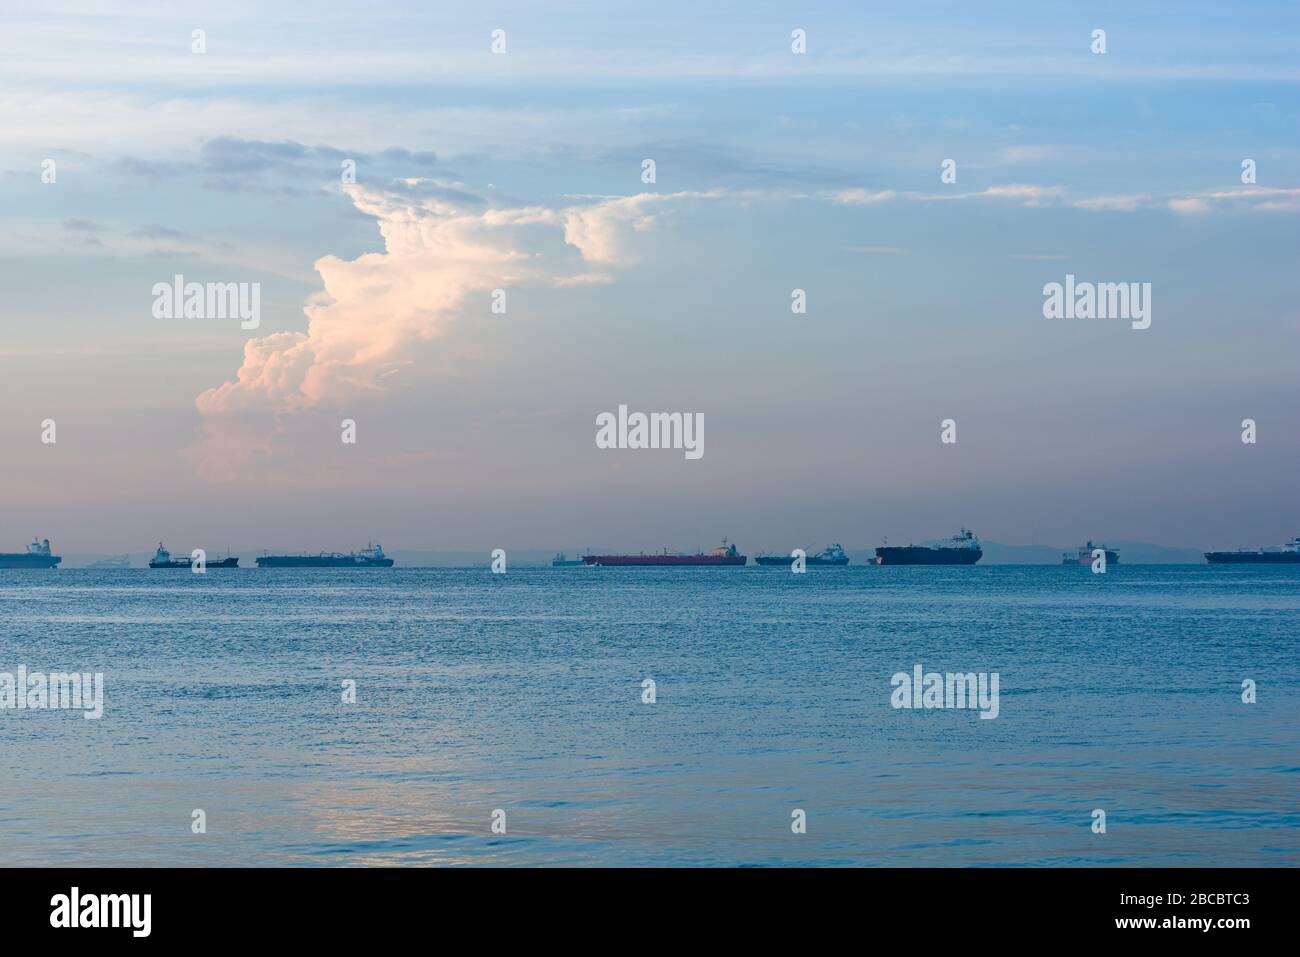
x: 724, y: 554
x: 831, y: 555
x: 962, y: 549
x: 1084, y: 556
x: 37, y: 556
x: 163, y: 559
x: 562, y: 560
x: 116, y: 561
x: 1288, y: 554
x: 372, y: 556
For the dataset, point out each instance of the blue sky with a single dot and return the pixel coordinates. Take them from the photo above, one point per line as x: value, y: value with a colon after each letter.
x: 775, y: 171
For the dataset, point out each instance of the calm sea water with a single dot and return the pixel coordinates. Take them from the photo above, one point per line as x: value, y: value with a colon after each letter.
x: 523, y: 692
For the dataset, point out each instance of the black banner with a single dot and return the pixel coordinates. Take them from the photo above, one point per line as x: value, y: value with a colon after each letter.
x: 336, y: 906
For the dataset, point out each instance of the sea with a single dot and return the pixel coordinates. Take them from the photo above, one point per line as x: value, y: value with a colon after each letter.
x: 655, y: 717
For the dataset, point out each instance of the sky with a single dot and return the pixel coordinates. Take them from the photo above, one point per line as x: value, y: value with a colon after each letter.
x: 522, y: 171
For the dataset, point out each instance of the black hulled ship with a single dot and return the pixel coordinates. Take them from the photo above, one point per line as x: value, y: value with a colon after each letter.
x: 1288, y: 554
x: 962, y: 549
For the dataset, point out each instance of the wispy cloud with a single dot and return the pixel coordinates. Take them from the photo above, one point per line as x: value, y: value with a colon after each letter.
x: 1114, y: 202
x: 862, y: 197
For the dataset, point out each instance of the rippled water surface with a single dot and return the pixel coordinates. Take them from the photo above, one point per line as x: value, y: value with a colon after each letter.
x: 523, y: 692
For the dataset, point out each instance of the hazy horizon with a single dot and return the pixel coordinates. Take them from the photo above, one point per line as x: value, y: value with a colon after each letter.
x: 523, y: 171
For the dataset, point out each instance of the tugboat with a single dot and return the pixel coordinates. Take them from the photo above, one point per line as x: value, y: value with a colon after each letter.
x: 724, y: 554
x: 1084, y: 556
x: 562, y: 560
x: 961, y: 549
x: 371, y: 556
x: 831, y: 555
x: 37, y: 556
x: 163, y: 559
x: 1288, y: 554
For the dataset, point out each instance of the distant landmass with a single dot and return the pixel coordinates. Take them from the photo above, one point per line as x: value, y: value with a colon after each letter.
x: 995, y: 553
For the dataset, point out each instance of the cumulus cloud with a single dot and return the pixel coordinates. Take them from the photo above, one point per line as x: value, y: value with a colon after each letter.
x: 443, y: 249
x: 600, y: 231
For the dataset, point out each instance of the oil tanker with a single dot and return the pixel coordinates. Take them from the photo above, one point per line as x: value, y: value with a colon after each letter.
x: 724, y: 554
x: 831, y: 555
x: 37, y: 556
x: 1288, y: 554
x: 163, y: 559
x: 1084, y: 555
x: 962, y: 549
x: 370, y: 557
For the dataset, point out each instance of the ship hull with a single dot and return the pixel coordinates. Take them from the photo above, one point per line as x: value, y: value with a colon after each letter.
x: 657, y: 561
x: 570, y: 563
x: 321, y: 561
x: 1253, y: 558
x: 810, y: 561
x: 920, y: 555
x: 185, y: 563
x: 29, y: 561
